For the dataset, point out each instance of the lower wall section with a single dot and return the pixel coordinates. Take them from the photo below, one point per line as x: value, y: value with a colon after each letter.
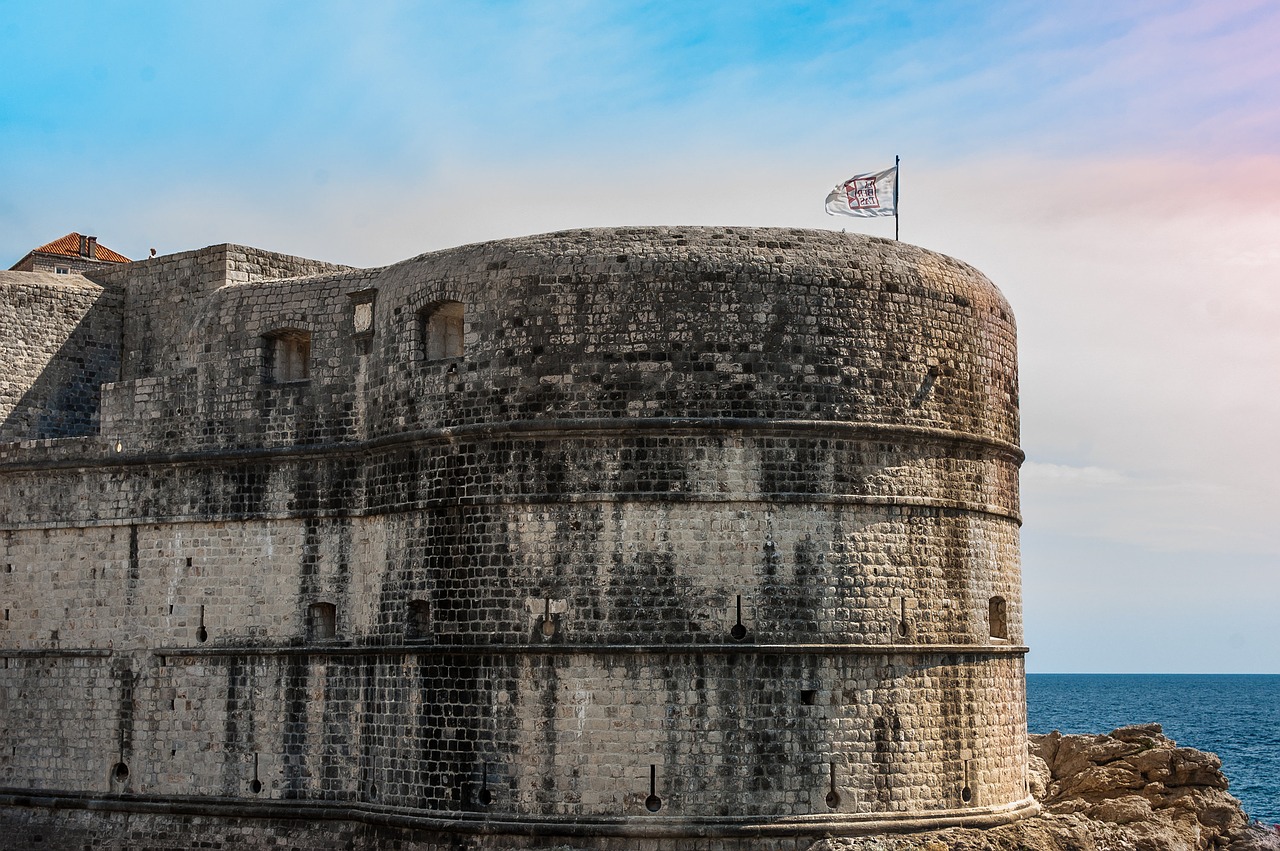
x: 722, y: 734
x: 39, y: 823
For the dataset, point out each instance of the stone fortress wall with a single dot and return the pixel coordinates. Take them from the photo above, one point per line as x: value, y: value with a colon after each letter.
x: 707, y: 533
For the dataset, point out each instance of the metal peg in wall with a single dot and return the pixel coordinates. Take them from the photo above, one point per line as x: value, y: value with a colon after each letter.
x: 653, y: 803
x: 738, y: 632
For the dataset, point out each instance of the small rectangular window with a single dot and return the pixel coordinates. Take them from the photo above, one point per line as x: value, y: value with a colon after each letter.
x: 288, y: 356
x: 61, y: 270
x: 418, y: 627
x: 998, y: 618
x: 443, y: 328
x: 322, y: 621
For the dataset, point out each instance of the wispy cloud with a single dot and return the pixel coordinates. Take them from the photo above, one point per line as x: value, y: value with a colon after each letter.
x: 1067, y: 474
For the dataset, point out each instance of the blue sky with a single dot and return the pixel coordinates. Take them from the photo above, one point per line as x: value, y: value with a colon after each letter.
x: 1113, y: 167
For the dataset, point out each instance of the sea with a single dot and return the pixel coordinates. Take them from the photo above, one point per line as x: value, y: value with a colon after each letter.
x: 1236, y: 716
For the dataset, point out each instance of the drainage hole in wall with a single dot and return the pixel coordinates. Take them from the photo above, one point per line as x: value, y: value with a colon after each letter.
x: 255, y: 786
x: 653, y: 803
x: 738, y: 632
x: 120, y: 773
x: 202, y: 635
x: 485, y: 797
x: 833, y: 800
x: 966, y: 794
x: 808, y: 696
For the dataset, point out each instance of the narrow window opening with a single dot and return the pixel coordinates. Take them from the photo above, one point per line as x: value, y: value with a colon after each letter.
x: 322, y: 621
x: 287, y: 356
x: 548, y: 627
x: 738, y: 632
x: 443, y: 327
x: 833, y: 794
x: 653, y: 803
x: 998, y: 617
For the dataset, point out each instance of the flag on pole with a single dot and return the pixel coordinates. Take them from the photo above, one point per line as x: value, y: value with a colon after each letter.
x: 866, y: 195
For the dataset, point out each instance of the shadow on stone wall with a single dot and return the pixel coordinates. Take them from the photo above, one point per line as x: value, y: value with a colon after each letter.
x: 58, y: 344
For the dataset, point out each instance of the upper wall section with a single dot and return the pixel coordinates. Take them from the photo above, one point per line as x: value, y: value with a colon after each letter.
x: 696, y: 322
x: 59, y: 342
x: 164, y: 293
x: 706, y: 323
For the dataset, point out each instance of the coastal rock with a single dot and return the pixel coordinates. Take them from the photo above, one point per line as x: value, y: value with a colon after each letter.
x: 1130, y: 790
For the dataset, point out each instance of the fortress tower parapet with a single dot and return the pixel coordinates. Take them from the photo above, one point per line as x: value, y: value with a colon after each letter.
x: 701, y: 534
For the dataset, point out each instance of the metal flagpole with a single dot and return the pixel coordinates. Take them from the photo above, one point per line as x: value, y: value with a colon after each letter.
x: 896, y: 172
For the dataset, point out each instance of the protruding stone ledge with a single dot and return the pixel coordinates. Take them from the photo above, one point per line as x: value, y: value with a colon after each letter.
x: 109, y: 455
x: 55, y: 653
x: 599, y: 649
x: 651, y: 827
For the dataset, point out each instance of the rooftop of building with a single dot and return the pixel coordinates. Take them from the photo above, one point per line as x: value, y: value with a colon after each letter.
x: 75, y: 245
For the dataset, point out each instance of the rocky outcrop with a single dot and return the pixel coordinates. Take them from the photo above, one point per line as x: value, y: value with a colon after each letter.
x: 1131, y: 790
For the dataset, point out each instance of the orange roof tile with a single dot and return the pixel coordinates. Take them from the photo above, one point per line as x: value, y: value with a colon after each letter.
x: 69, y: 246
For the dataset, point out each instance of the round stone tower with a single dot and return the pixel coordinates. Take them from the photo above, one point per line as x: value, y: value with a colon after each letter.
x: 721, y: 527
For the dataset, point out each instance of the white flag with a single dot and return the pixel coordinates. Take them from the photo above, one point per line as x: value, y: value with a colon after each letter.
x: 866, y: 195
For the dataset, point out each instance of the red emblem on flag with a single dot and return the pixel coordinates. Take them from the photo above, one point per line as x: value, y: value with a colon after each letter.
x: 861, y: 192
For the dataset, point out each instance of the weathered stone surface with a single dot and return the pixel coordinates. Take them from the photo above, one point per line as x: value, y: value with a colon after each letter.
x: 699, y: 534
